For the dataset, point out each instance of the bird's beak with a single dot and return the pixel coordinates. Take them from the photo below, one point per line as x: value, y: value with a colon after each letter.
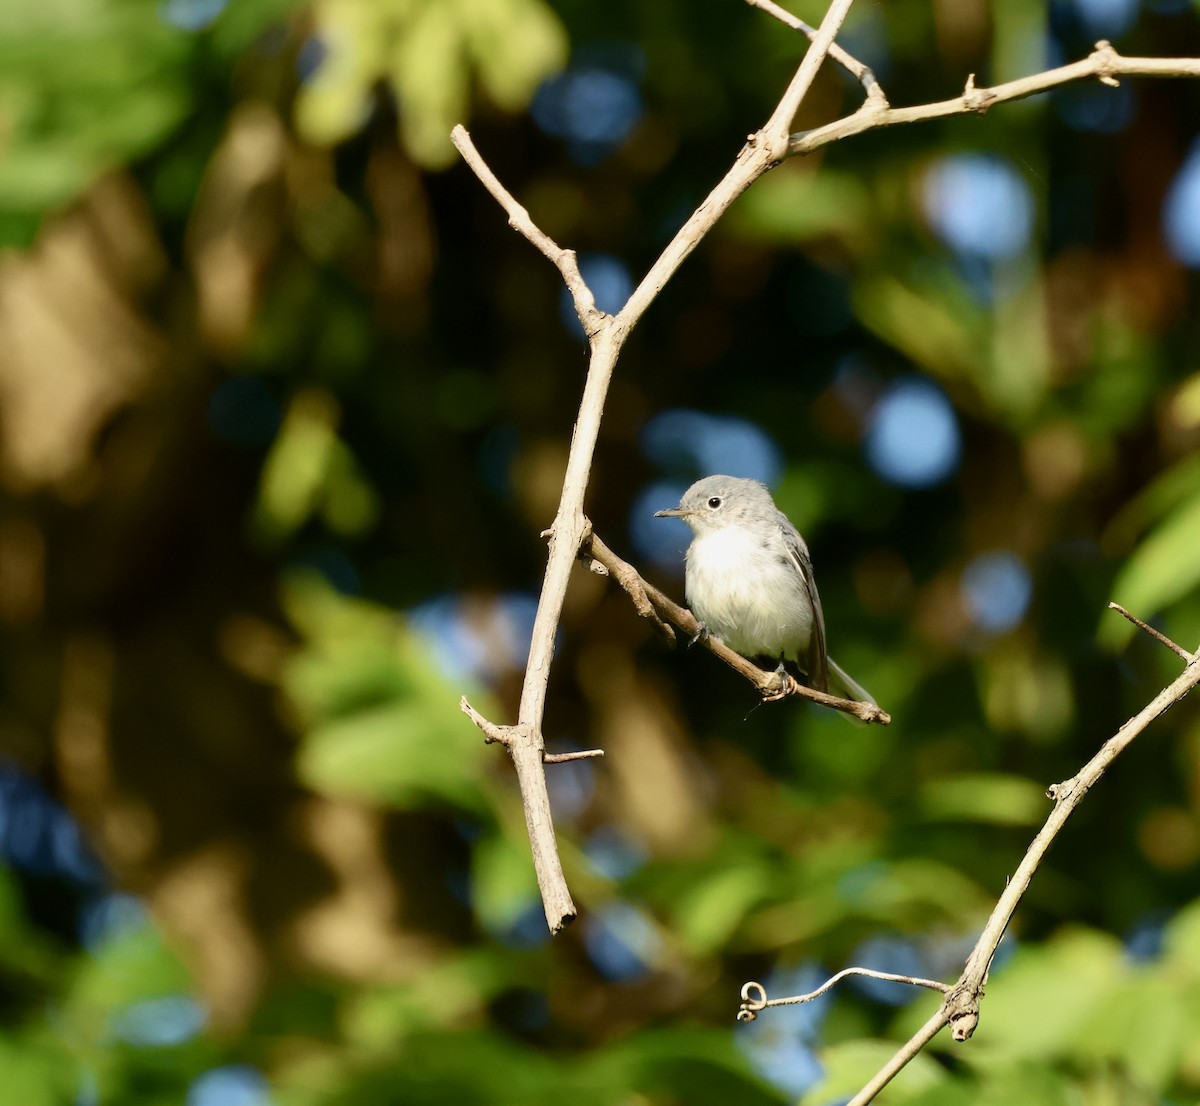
x: 672, y: 512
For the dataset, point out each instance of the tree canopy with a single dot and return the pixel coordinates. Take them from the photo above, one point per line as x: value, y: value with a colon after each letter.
x: 284, y: 408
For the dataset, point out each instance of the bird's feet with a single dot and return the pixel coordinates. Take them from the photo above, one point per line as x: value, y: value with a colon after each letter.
x: 701, y: 635
x: 783, y: 685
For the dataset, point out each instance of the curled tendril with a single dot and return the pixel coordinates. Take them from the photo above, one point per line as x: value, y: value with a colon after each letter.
x: 754, y: 999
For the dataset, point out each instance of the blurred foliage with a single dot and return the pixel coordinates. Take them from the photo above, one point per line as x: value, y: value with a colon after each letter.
x: 284, y: 406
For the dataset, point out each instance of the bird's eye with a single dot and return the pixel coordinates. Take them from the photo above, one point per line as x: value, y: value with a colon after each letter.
x: 715, y: 502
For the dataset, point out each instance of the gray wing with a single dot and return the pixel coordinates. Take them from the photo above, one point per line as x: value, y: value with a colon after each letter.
x: 815, y: 663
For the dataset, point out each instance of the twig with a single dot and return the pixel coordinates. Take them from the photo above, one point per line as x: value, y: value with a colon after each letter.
x: 659, y: 608
x: 562, y: 758
x: 821, y: 43
x: 646, y: 604
x: 1103, y: 64
x: 754, y: 995
x: 862, y: 73
x: 528, y: 753
x: 960, y: 1008
x: 518, y: 218
x: 1158, y: 635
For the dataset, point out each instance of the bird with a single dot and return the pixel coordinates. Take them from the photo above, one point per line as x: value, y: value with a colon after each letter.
x: 749, y: 580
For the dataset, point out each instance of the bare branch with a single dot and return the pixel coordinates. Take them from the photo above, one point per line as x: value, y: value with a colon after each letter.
x: 1158, y: 635
x: 754, y: 995
x: 771, y: 685
x: 1103, y: 64
x: 862, y: 73
x: 564, y: 260
x: 599, y: 555
x: 775, y: 129
x: 960, y: 1008
x: 527, y: 750
x: 763, y: 150
x: 562, y: 758
x: 901, y: 1059
x: 607, y: 335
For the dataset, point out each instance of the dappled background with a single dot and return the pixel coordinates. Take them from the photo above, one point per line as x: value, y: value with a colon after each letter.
x: 284, y: 406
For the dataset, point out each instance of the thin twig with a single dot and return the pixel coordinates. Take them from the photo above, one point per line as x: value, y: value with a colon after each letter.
x: 562, y: 758
x: 492, y: 734
x: 1103, y: 64
x: 528, y: 753
x: 857, y: 69
x: 1158, y: 635
x: 771, y: 685
x: 518, y: 218
x: 754, y: 995
x: 775, y: 130
x: 600, y: 556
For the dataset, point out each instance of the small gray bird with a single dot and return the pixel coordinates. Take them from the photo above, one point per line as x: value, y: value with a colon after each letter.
x: 750, y: 580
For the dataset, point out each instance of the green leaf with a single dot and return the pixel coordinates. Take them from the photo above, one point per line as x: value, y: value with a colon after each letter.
x: 36, y: 1071
x: 1025, y: 1083
x: 428, y: 53
x: 297, y: 468
x: 795, y: 204
x: 516, y: 44
x: 380, y: 721
x: 1141, y: 1026
x: 135, y: 966
x: 83, y: 88
x: 711, y: 908
x: 401, y: 753
x: 503, y: 883
x: 990, y: 797
x: 1182, y: 941
x: 690, y: 1064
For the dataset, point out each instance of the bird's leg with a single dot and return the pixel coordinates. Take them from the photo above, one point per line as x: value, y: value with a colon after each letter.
x: 701, y: 635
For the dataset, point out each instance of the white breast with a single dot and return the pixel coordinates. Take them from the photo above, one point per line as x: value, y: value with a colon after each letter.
x: 749, y: 593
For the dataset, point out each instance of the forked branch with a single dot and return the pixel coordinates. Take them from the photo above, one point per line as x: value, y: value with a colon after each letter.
x: 606, y: 336
x: 960, y: 1007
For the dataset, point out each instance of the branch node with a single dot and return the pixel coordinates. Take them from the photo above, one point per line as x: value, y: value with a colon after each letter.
x: 1060, y: 792
x: 976, y: 100
x: 963, y: 1026
x: 1105, y: 57
x: 500, y: 735
x: 962, y: 1009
